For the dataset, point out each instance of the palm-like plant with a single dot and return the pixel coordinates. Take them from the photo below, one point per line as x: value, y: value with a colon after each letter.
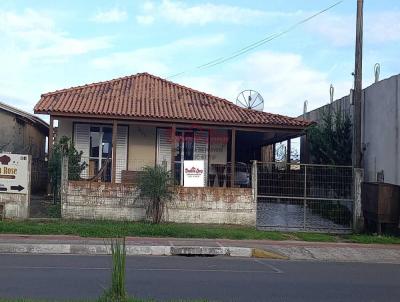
x: 155, y: 187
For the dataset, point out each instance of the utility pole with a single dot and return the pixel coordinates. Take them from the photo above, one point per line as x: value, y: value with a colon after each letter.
x: 358, y: 87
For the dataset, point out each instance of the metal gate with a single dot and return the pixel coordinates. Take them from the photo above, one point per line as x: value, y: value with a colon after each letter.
x: 304, y: 197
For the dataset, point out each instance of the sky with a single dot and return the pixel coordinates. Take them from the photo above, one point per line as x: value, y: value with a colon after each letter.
x: 48, y: 45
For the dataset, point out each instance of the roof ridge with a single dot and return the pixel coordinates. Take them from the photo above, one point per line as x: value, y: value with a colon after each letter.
x: 93, y: 84
x: 134, y: 76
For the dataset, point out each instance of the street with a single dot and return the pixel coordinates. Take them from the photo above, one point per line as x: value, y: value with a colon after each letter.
x: 215, y: 279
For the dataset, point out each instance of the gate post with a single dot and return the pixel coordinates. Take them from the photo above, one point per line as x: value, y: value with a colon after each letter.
x: 64, y: 181
x: 358, y: 219
x: 254, y: 181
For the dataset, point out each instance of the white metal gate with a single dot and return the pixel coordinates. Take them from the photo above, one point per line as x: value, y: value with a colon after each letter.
x: 304, y: 197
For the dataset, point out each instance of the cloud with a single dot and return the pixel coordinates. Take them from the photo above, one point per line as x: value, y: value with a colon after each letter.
x: 33, y: 34
x: 114, y: 15
x: 183, y: 14
x: 145, y: 19
x: 32, y: 48
x: 283, y: 79
x: 157, y: 59
x: 379, y: 27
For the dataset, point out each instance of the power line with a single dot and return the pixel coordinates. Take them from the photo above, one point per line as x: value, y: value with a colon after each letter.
x: 256, y: 44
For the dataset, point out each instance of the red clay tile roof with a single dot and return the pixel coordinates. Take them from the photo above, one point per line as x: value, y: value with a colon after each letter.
x: 146, y: 97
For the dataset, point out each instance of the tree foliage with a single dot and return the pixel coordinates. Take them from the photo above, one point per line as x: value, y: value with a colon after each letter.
x: 64, y: 147
x: 330, y: 141
x: 155, y: 186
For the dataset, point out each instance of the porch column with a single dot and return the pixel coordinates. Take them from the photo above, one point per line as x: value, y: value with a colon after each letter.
x: 50, y: 141
x: 173, y: 141
x: 288, y: 150
x: 233, y: 159
x: 273, y: 152
x: 114, y: 151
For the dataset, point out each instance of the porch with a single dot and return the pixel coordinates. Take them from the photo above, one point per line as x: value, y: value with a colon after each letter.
x: 116, y: 151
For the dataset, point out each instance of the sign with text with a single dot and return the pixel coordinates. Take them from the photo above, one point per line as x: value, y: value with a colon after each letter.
x: 14, y: 173
x: 193, y: 173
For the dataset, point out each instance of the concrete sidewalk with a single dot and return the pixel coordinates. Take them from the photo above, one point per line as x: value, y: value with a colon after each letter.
x: 291, y: 250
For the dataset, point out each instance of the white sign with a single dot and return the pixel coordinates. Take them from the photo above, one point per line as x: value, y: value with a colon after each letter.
x: 14, y: 173
x: 193, y: 173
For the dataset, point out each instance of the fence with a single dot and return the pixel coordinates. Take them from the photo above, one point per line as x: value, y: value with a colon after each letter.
x: 306, y: 197
x: 39, y: 175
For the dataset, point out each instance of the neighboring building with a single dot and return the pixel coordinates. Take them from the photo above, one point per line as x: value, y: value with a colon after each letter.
x: 142, y: 120
x: 24, y: 133
x: 380, y: 129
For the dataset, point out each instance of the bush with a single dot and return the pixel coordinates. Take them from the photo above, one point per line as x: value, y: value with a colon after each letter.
x: 155, y: 185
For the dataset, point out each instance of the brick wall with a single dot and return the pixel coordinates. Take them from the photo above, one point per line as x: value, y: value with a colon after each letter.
x: 93, y: 200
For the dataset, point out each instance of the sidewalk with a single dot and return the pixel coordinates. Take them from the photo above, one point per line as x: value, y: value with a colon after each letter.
x: 291, y: 250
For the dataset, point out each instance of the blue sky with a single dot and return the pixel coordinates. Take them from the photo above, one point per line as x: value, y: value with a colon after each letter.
x: 48, y: 45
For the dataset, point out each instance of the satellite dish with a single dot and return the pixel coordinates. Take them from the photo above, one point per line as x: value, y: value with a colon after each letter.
x: 250, y: 99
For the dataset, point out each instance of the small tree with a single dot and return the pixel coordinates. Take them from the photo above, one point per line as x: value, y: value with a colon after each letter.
x: 155, y: 186
x: 330, y: 141
x: 64, y: 147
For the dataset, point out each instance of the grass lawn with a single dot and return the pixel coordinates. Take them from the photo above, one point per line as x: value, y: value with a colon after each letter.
x: 87, y: 228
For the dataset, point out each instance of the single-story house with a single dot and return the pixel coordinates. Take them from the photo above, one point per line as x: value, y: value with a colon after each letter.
x: 142, y: 120
x: 25, y: 133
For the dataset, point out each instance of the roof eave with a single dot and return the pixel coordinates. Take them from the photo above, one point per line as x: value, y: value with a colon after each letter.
x: 297, y: 128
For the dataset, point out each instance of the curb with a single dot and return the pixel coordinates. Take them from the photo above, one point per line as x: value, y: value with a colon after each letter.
x: 131, y: 250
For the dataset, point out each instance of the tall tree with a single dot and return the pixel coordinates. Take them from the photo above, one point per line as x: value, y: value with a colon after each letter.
x: 330, y: 141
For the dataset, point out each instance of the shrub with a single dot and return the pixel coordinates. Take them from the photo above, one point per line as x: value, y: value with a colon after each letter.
x: 64, y: 147
x: 155, y: 186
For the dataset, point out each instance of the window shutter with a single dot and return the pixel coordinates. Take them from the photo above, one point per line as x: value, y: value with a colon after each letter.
x: 121, y: 151
x: 164, y: 147
x: 201, y: 150
x: 82, y: 143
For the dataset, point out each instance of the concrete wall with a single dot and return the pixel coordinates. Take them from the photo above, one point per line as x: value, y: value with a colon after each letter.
x: 15, y: 206
x: 65, y: 128
x: 380, y: 129
x: 20, y: 137
x: 92, y: 200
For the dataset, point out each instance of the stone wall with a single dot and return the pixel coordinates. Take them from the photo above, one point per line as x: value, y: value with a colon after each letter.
x: 95, y: 200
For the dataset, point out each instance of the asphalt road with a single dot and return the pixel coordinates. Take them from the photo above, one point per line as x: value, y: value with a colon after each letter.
x: 215, y: 279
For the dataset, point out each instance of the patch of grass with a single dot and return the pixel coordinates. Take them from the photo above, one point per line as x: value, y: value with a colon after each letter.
x: 377, y: 239
x: 112, y: 229
x: 109, y: 229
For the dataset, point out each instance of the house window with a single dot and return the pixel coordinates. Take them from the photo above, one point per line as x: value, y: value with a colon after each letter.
x: 100, y: 150
x: 95, y: 143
